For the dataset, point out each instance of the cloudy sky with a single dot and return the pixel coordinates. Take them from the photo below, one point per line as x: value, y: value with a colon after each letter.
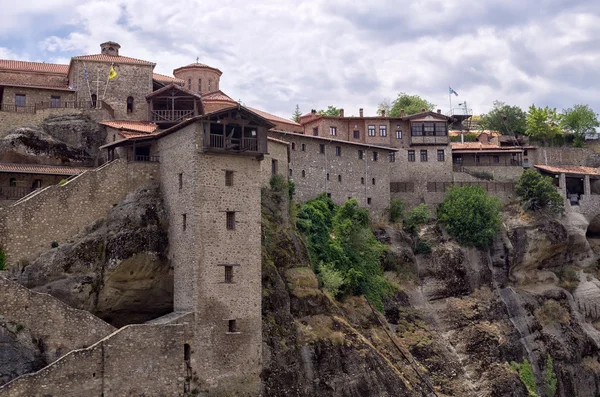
x: 352, y: 54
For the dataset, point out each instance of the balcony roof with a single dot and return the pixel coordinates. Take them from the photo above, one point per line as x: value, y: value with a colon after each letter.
x: 41, y: 169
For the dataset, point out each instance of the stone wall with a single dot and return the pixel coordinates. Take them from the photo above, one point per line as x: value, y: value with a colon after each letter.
x: 278, y: 152
x: 35, y: 96
x: 500, y: 174
x: 136, y: 360
x: 349, y: 176
x: 560, y: 155
x: 225, y: 362
x: 58, y: 326
x: 58, y: 212
x: 131, y: 80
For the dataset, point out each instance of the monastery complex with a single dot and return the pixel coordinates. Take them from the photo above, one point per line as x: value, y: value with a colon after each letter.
x: 211, y: 156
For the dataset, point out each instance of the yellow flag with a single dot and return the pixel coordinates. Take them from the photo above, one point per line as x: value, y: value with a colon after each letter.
x: 112, y: 74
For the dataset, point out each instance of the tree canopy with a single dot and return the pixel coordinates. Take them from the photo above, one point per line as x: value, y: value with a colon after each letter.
x: 538, y: 192
x: 411, y: 104
x: 470, y: 215
x: 505, y: 119
x: 580, y: 120
x: 296, y: 115
x: 330, y: 111
x: 543, y: 124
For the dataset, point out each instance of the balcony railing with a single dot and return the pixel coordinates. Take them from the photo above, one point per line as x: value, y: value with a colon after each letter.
x: 85, y: 104
x: 167, y: 116
x: 14, y: 192
x: 218, y: 141
x: 5, y: 107
x: 144, y: 158
x: 429, y: 140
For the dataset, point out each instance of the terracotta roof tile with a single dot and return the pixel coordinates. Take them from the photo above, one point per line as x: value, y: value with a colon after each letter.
x: 135, y: 126
x: 199, y: 66
x: 42, y: 67
x: 568, y: 169
x: 217, y: 96
x: 41, y: 169
x: 43, y: 87
x: 273, y: 118
x: 474, y: 145
x: 166, y: 79
x: 112, y: 59
x: 270, y: 138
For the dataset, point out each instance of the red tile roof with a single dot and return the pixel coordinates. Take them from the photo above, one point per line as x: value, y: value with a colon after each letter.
x: 270, y: 138
x: 40, y: 67
x: 198, y: 66
x: 568, y: 169
x: 42, y: 87
x: 166, y: 79
x: 273, y: 118
x: 41, y: 169
x: 476, y: 145
x: 112, y: 59
x: 135, y: 126
x: 217, y: 96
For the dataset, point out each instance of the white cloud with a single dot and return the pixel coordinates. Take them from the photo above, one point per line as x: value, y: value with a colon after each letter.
x: 275, y: 54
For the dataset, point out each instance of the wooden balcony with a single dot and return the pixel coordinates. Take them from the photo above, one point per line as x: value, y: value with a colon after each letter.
x: 170, y: 116
x: 429, y: 140
x: 14, y: 192
x: 218, y: 142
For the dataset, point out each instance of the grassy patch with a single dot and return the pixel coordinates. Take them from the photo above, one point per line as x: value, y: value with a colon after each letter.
x: 552, y: 312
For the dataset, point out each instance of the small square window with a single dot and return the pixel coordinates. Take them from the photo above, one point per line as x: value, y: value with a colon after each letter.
x: 371, y: 130
x: 375, y: 155
x: 362, y: 181
x: 228, y: 274
x: 274, y: 167
x: 328, y: 176
x: 329, y: 195
x: 382, y: 130
x: 411, y: 155
x: 338, y: 150
x: 230, y: 220
x: 392, y: 157
x: 291, y: 172
x: 423, y: 155
x: 316, y: 131
x: 293, y: 145
x: 339, y: 178
x: 304, y: 147
x: 398, y: 132
x: 20, y: 100
x: 361, y: 154
x: 369, y: 200
x: 231, y: 326
x: 303, y: 174
x: 54, y: 101
x: 333, y: 131
x: 440, y: 155
x: 184, y: 222
x: 228, y: 178
x: 356, y: 134
x: 373, y: 181
x: 496, y: 159
x: 321, y: 148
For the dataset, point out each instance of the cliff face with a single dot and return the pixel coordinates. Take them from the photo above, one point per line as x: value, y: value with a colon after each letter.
x: 462, y: 315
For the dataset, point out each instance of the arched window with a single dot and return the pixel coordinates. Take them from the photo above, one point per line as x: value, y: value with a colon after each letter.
x: 189, y: 84
x: 199, y: 85
x: 209, y: 81
x: 94, y: 100
x: 129, y: 104
x: 303, y: 174
x: 12, y: 182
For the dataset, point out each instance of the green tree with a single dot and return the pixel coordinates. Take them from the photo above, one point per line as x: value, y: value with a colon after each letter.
x: 296, y: 115
x: 505, y: 119
x: 411, y: 104
x: 543, y: 124
x: 580, y: 120
x: 538, y: 193
x: 470, y: 215
x: 417, y: 216
x: 526, y: 375
x: 330, y: 111
x: 396, y: 210
x: 550, y: 378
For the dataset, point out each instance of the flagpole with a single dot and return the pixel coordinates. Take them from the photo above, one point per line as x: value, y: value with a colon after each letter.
x: 107, y: 79
x: 88, y: 83
x: 450, y: 99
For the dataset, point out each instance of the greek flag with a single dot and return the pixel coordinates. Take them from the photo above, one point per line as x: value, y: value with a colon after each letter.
x: 85, y: 73
x: 451, y: 90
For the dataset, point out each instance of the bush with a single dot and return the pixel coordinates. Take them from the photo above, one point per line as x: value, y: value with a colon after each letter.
x: 341, y: 238
x: 470, y: 215
x: 538, y: 193
x: 63, y: 182
x: 422, y: 247
x: 416, y: 217
x: 2, y: 258
x: 482, y: 175
x: 526, y: 375
x: 396, y: 210
x: 54, y: 244
x: 331, y: 279
x: 550, y: 378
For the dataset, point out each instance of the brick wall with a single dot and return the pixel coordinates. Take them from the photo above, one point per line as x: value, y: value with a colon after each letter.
x: 131, y: 80
x: 59, y: 212
x: 136, y: 360
x: 192, y: 75
x: 225, y: 362
x: 60, y: 327
x: 353, y: 171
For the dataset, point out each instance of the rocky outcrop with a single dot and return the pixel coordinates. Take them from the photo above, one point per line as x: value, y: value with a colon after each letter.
x: 117, y: 268
x: 70, y: 139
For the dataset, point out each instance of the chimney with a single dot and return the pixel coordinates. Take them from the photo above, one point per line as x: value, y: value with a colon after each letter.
x: 110, y: 48
x: 484, y: 138
x: 360, y: 111
x: 313, y: 111
x: 423, y: 110
x: 439, y: 111
x: 402, y: 113
x: 341, y: 112
x: 382, y: 112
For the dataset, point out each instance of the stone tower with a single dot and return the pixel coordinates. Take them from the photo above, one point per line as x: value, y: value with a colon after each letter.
x: 198, y: 77
x: 211, y: 180
x: 110, y: 48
